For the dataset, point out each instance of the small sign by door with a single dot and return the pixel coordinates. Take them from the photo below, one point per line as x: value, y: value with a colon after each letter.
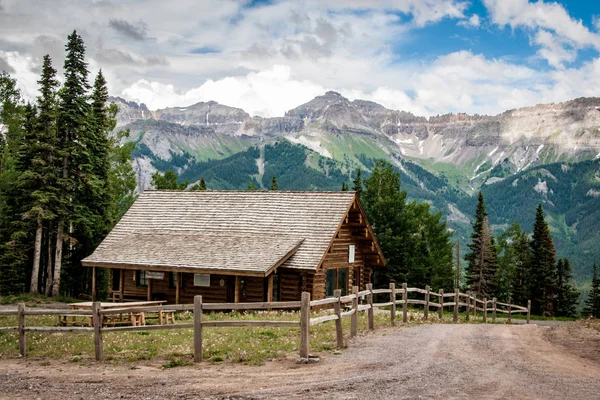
x: 155, y: 275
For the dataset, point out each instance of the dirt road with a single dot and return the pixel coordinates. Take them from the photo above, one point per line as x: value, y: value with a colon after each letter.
x: 420, y: 362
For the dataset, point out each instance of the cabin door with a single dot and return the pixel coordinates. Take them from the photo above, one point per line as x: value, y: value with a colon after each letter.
x: 230, y: 289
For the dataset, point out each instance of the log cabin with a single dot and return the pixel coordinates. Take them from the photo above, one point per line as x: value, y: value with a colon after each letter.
x: 238, y: 246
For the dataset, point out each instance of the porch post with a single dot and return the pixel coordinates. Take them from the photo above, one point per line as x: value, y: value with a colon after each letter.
x: 149, y: 288
x: 177, y: 284
x: 237, y: 290
x: 121, y: 284
x: 270, y: 288
x: 93, y: 283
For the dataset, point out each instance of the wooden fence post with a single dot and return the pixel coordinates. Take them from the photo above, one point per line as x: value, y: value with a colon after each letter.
x: 393, y: 301
x: 354, y: 317
x: 97, y: 321
x: 468, y: 304
x: 337, y: 308
x: 528, y: 310
x: 404, y: 302
x: 198, y: 328
x: 370, y: 310
x: 304, y: 324
x: 456, y: 300
x: 426, y: 312
x: 22, y: 340
x: 484, y: 310
x: 475, y: 307
x: 494, y: 310
x: 509, y: 312
x: 441, y: 309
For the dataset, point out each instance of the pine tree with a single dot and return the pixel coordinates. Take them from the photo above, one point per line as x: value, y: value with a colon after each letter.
x: 202, y: 184
x: 251, y: 186
x: 358, y: 185
x: 344, y: 187
x: 38, y: 179
x: 522, y: 260
x: 592, y: 303
x: 543, y: 264
x: 567, y: 294
x: 482, y: 260
x: 75, y: 163
x: 274, y: 184
x: 168, y: 181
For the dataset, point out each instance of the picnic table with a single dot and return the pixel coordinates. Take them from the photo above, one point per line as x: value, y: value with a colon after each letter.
x: 133, y: 318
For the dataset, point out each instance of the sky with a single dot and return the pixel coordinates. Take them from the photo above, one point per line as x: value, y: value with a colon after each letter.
x: 428, y: 57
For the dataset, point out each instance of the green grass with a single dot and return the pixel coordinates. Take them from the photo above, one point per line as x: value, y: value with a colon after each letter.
x: 32, y: 299
x: 175, y: 347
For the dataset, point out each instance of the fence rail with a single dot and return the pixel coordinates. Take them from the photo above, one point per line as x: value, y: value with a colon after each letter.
x: 338, y: 302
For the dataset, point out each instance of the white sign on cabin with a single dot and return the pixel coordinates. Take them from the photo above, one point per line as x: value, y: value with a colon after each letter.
x: 351, y: 253
x: 202, y: 280
x: 155, y: 275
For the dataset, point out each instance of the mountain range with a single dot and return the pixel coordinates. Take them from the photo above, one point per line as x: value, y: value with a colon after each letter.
x: 547, y: 153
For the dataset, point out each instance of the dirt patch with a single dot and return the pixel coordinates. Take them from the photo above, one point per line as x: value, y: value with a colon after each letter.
x: 581, y: 338
x: 425, y: 361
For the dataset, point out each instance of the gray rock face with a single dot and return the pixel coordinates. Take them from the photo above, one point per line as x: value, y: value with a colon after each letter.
x: 130, y: 111
x: 222, y: 119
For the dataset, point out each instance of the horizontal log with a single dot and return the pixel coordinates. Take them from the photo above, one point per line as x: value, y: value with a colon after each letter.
x: 451, y: 304
x: 432, y: 293
x: 146, y: 328
x: 364, y: 293
x: 325, y: 318
x: 8, y: 328
x: 253, y: 323
x: 479, y: 301
x: 435, y: 305
x: 416, y: 290
x: 148, y: 309
x: 323, y: 302
x: 8, y: 312
x: 399, y: 291
x: 57, y: 312
x: 57, y: 329
x: 364, y: 307
x: 502, y: 311
x: 513, y: 311
x: 450, y: 294
x: 251, y: 306
x: 460, y: 304
x: 348, y: 298
x: 413, y: 301
x: 389, y: 303
x: 347, y: 313
x: 504, y: 304
x: 381, y: 291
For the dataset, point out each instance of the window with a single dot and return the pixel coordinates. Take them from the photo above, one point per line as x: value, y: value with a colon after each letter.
x: 116, y: 277
x: 351, y: 250
x: 336, y: 279
x: 202, y: 280
x: 173, y: 281
x: 141, y: 279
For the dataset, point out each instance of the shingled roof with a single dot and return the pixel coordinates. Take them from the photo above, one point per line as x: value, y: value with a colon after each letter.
x: 225, y: 231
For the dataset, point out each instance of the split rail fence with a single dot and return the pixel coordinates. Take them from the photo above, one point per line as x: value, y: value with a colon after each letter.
x: 343, y: 307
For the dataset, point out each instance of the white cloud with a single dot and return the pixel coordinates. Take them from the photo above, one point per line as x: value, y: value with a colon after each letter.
x: 472, y: 22
x: 555, y: 31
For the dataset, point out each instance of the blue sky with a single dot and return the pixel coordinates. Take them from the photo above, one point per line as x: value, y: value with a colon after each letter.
x: 425, y: 56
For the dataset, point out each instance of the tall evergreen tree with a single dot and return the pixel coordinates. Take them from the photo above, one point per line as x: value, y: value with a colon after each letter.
x: 75, y: 163
x: 358, y: 185
x: 522, y: 262
x: 543, y: 263
x: 252, y: 187
x: 167, y: 181
x: 38, y: 179
x: 567, y: 294
x: 274, y: 184
x: 482, y: 260
x: 592, y: 303
x: 344, y: 187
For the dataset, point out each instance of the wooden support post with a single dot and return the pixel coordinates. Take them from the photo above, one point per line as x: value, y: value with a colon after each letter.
x: 177, y: 286
x: 494, y: 310
x: 484, y: 310
x: 149, y: 296
x: 468, y: 314
x: 197, y: 328
x: 404, y: 303
x: 97, y: 321
x: 236, y: 298
x: 337, y: 308
x: 93, y: 283
x: 456, y: 300
x: 270, y: 288
x: 441, y: 309
x: 474, y: 307
x: 528, y: 310
x: 370, y: 310
x: 509, y: 312
x: 426, y: 312
x: 121, y: 285
x: 393, y: 301
x: 354, y: 317
x: 22, y: 340
x: 304, y: 324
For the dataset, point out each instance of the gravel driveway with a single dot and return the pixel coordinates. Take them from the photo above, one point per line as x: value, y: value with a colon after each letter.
x: 427, y: 361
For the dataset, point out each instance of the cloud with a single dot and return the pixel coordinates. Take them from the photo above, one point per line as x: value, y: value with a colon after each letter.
x: 119, y: 57
x: 472, y: 22
x: 135, y: 32
x: 5, y: 66
x: 554, y: 29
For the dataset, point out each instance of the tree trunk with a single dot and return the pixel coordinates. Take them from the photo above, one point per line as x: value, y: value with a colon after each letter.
x: 35, y: 270
x: 48, y: 290
x: 58, y: 258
